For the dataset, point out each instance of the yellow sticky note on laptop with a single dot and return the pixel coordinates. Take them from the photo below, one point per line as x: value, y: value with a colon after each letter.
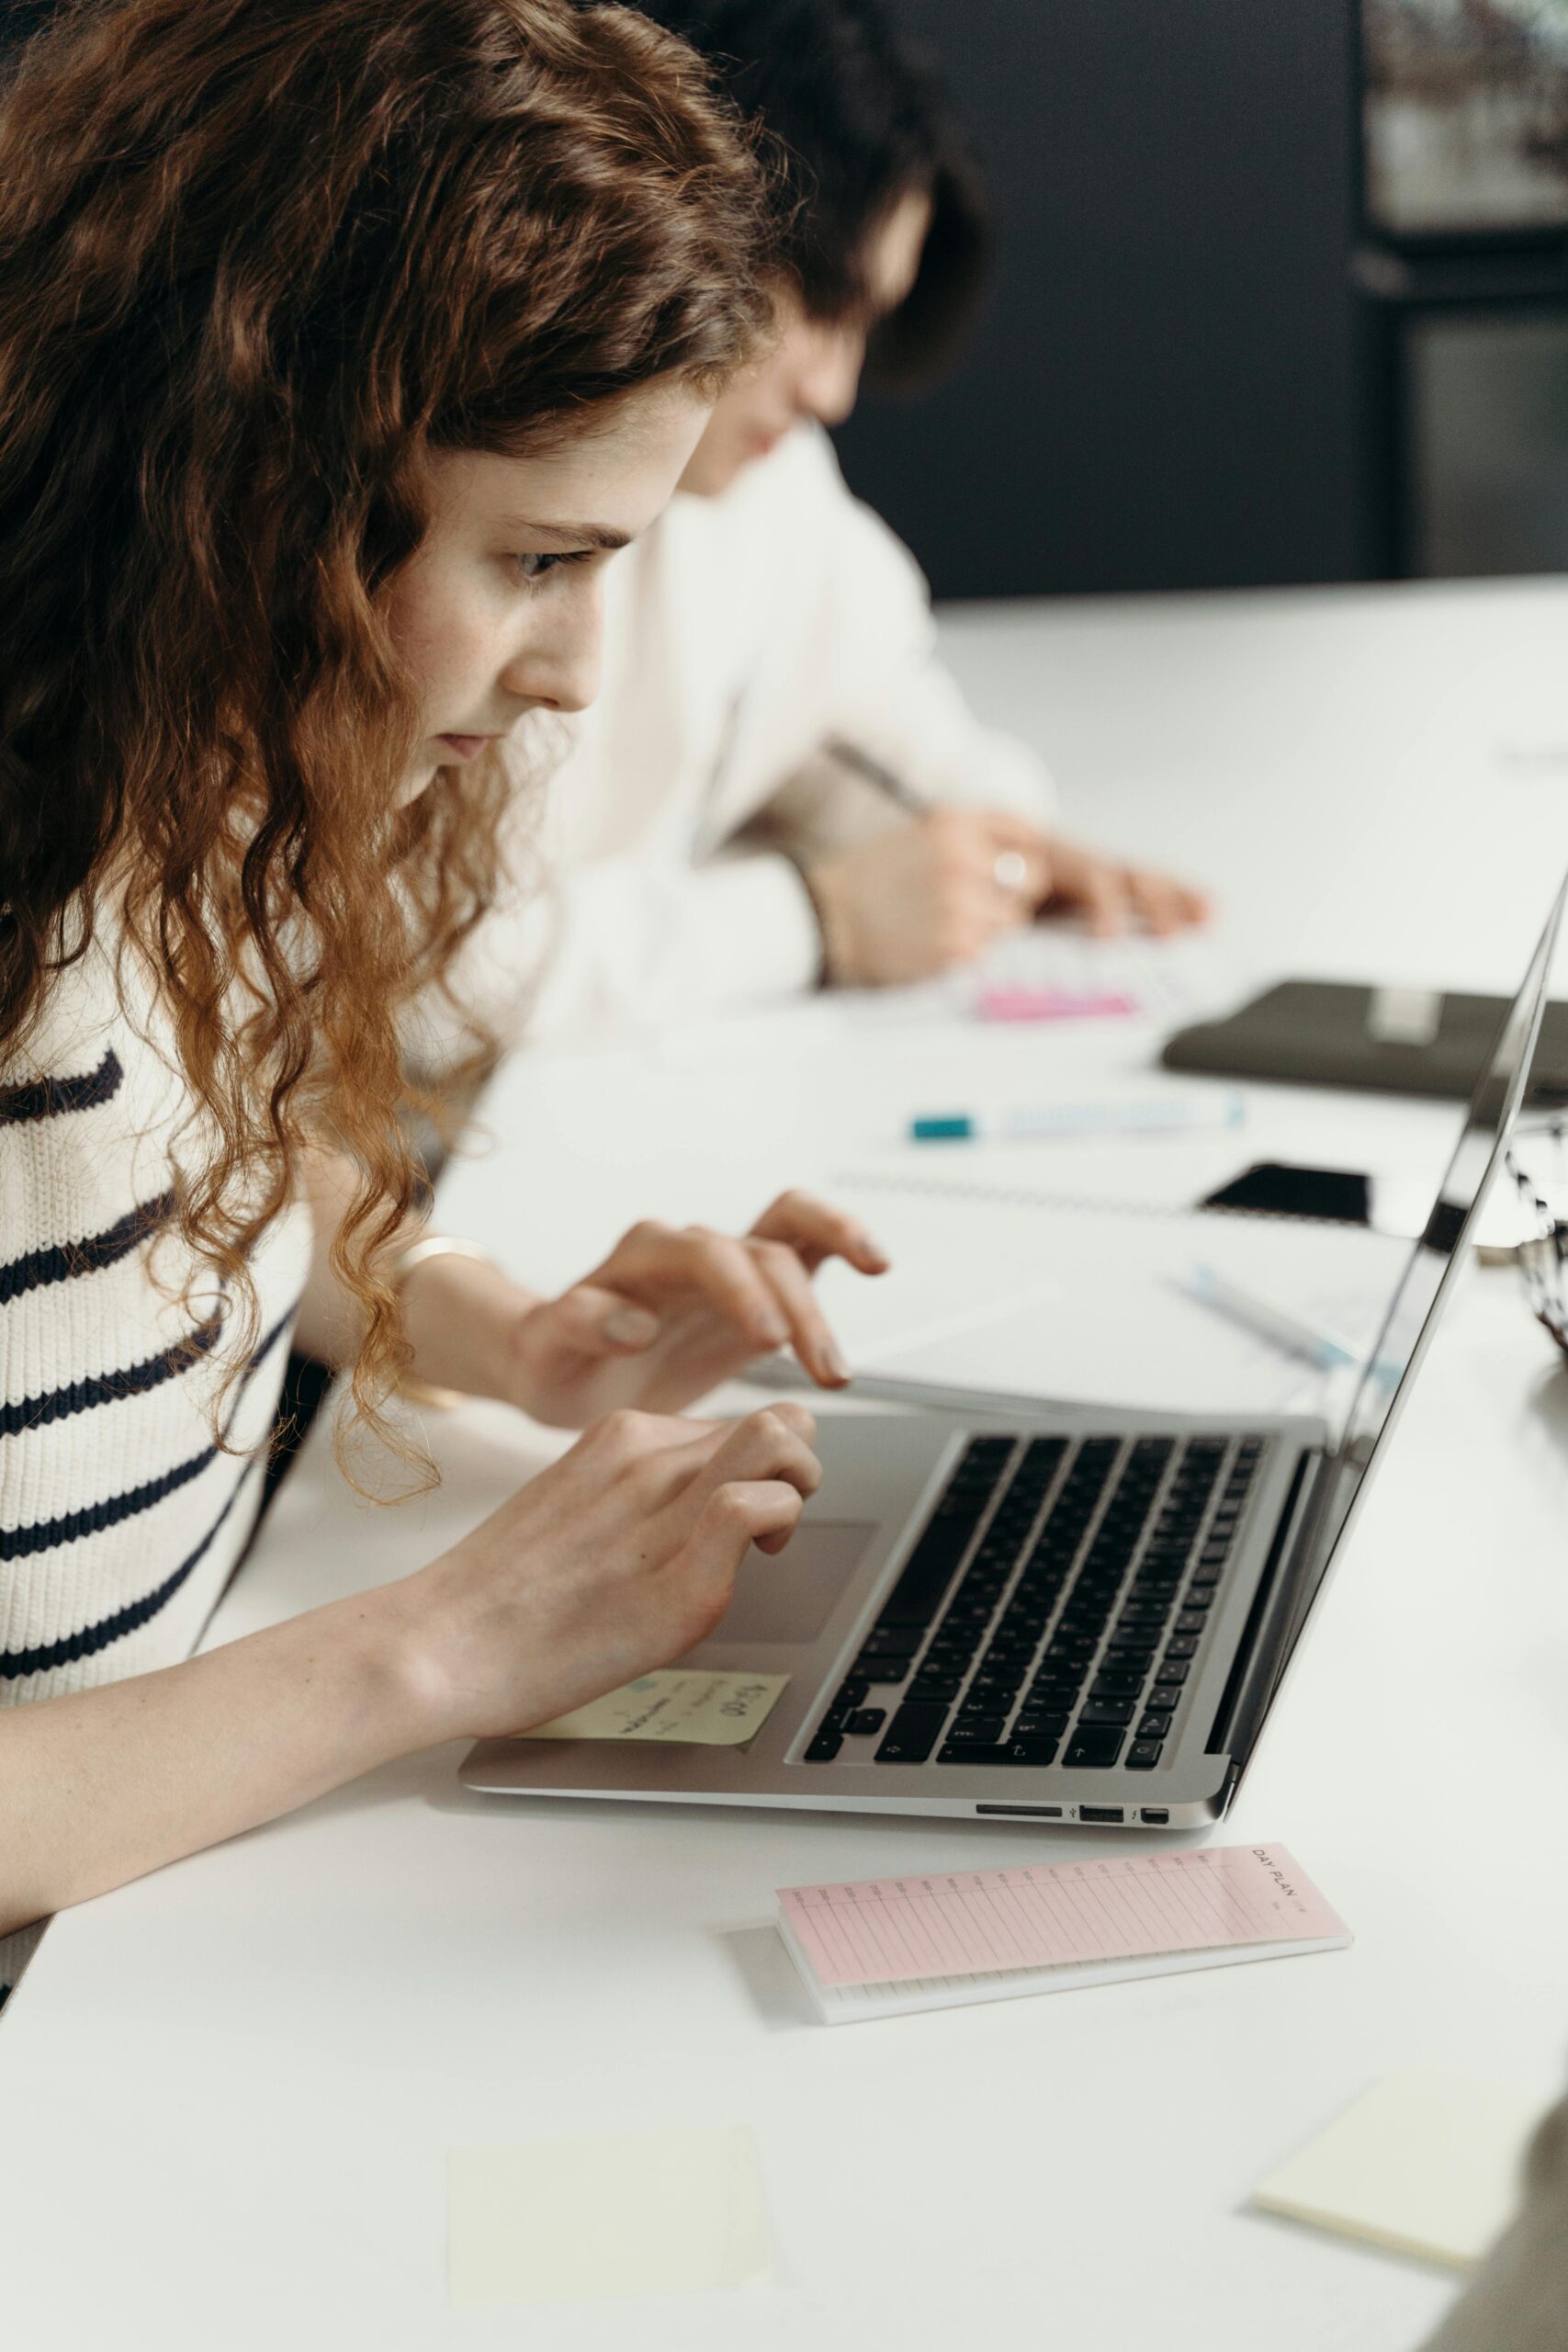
x: 684, y: 1704
x: 1424, y: 2164
x: 630, y: 2213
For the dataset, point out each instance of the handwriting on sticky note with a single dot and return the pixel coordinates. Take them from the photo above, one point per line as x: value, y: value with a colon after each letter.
x: 891, y: 1931
x: 630, y: 2213
x: 684, y: 1704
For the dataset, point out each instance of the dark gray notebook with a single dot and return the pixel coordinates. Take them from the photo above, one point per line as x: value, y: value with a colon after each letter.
x: 1322, y: 1032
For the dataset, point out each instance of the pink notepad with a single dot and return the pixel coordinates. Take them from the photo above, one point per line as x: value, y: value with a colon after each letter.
x: 1005, y: 1003
x: 873, y: 1946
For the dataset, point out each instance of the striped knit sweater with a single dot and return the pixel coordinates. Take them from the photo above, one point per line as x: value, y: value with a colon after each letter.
x: 120, y: 1516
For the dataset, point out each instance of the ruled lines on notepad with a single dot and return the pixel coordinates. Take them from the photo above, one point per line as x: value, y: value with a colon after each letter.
x: 903, y: 1930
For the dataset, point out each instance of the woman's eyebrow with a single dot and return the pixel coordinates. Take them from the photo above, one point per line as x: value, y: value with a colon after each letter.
x: 576, y: 534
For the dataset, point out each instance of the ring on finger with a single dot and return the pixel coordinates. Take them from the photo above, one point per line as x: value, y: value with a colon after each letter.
x: 1010, y: 872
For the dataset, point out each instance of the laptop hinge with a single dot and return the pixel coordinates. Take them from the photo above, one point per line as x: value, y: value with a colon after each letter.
x: 1255, y: 1668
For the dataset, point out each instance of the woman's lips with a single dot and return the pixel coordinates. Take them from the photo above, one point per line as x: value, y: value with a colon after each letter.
x: 464, y: 747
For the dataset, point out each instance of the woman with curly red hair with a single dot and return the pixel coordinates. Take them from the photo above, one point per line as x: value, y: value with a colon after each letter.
x: 342, y: 341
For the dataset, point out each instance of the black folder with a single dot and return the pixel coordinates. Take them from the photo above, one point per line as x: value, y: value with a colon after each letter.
x: 1323, y: 1033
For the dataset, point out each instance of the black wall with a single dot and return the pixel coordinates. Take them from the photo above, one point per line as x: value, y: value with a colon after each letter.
x: 1163, y: 394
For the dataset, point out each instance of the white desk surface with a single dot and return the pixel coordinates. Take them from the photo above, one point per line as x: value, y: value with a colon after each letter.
x: 227, y: 2091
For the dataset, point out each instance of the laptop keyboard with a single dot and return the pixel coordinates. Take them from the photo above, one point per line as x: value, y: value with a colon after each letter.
x: 1052, y: 1609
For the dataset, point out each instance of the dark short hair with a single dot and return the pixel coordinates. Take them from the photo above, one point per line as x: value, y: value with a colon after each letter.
x: 855, y: 119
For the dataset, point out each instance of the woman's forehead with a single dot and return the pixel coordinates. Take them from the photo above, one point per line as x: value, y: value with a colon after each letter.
x: 601, y: 484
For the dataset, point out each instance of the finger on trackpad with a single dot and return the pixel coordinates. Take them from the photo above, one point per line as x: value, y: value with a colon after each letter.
x: 790, y: 1597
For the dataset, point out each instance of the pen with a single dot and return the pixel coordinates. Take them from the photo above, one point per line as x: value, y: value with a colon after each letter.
x: 1287, y: 1331
x: 1160, y: 1114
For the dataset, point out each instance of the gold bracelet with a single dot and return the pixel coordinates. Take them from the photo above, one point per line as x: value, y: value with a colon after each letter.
x: 411, y: 1388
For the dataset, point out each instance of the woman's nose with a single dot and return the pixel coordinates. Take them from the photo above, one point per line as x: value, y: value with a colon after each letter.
x: 561, y: 670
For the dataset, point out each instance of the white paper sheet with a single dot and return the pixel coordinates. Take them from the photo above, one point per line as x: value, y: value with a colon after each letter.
x: 1092, y: 1305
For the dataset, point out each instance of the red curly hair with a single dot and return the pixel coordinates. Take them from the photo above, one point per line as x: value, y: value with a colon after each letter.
x: 257, y: 259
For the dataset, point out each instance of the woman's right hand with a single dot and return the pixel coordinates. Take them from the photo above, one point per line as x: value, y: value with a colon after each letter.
x: 617, y: 1558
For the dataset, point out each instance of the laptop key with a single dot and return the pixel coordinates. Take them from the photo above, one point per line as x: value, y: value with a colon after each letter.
x: 1002, y: 1688
x: 1094, y: 1750
x: 1174, y: 1670
x: 1143, y: 1756
x: 912, y: 1734
x: 1182, y: 1646
x: 890, y: 1641
x: 1033, y: 1726
x: 1107, y: 1711
x: 825, y: 1746
x: 1031, y: 1748
x: 865, y: 1722
x: 883, y: 1669
x: 958, y: 1752
x: 978, y: 1731
x: 936, y: 1686
x: 1154, y: 1725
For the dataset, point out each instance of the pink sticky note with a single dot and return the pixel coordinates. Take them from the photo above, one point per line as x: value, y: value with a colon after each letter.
x: 1001, y: 1003
x: 887, y: 1931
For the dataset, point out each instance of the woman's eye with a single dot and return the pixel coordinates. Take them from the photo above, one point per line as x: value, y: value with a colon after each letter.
x: 532, y: 568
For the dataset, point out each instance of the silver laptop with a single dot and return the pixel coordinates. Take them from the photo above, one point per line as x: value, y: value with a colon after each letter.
x: 1078, y: 1615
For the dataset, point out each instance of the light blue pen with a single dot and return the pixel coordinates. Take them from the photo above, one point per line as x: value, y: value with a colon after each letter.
x: 1270, y: 1322
x: 1156, y: 1114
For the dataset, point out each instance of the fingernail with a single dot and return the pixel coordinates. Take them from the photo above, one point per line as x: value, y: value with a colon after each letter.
x: 832, y: 1357
x: 631, y: 1327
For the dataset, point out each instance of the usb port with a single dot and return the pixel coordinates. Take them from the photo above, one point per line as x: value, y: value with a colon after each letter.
x: 1158, y: 1815
x: 1101, y: 1813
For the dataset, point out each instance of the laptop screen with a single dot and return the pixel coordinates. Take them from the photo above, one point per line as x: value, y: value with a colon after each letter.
x: 1428, y: 1274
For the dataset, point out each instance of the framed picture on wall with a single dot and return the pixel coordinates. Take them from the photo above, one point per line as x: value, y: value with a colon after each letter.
x: 1466, y: 118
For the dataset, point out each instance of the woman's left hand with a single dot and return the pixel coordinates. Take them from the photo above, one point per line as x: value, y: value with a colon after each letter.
x: 672, y: 1311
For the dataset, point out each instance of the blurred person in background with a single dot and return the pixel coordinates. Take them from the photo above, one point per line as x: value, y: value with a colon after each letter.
x: 781, y: 784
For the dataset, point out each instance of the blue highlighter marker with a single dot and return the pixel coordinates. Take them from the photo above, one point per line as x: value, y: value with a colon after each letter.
x: 1160, y: 1114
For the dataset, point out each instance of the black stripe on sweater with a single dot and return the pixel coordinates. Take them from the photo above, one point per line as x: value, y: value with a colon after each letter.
x: 46, y: 1098
x: 44, y: 1534
x: 63, y: 1260
x: 128, y: 1620
x: 107, y: 1387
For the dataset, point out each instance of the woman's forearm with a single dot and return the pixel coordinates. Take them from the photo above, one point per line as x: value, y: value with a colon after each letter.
x: 617, y: 1558
x: 100, y: 1787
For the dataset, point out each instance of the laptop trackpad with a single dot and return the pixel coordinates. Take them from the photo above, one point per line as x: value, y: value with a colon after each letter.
x: 790, y: 1598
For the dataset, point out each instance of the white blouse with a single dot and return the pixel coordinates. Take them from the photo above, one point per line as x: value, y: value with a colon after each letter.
x: 769, y: 642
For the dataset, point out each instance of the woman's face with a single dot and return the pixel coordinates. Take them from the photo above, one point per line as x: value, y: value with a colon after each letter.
x: 498, y: 611
x: 812, y: 368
